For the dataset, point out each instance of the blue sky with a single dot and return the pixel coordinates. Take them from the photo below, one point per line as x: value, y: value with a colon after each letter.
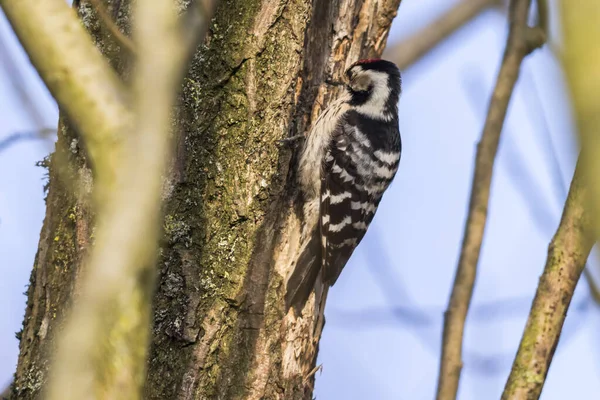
x: 384, y: 315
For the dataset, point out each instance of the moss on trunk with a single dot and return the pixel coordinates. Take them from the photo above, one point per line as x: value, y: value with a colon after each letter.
x: 230, y: 226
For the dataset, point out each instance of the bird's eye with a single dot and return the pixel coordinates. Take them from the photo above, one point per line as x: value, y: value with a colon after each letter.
x: 360, y: 83
x: 351, y: 74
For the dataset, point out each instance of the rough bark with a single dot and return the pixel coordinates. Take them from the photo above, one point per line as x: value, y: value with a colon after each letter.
x: 232, y: 221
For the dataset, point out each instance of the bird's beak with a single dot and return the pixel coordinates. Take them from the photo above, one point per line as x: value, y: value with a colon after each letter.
x: 332, y: 82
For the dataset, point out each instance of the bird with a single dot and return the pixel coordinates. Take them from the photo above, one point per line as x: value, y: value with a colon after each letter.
x: 348, y: 160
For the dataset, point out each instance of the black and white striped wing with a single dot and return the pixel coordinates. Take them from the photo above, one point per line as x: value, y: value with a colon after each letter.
x: 346, y: 208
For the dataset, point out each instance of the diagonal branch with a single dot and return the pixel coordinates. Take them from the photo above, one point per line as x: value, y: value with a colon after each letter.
x: 567, y: 255
x: 522, y: 39
x: 409, y: 51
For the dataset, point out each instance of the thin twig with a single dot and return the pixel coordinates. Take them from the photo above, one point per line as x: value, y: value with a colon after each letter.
x: 567, y: 254
x: 312, y: 372
x: 16, y: 138
x: 543, y: 21
x: 30, y: 135
x: 407, y: 52
x: 522, y: 39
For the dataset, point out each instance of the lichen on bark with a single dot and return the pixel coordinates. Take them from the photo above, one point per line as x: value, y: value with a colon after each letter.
x: 231, y: 223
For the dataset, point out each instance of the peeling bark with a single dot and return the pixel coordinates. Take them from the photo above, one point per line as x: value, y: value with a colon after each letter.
x: 232, y: 226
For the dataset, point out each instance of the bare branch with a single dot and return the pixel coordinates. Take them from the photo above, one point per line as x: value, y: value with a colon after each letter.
x: 415, y: 47
x: 567, y: 254
x: 76, y: 74
x: 104, y: 345
x: 522, y: 39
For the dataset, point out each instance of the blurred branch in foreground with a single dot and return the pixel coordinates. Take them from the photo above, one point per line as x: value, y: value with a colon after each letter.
x: 104, y: 345
x: 407, y: 52
x: 521, y: 41
x: 567, y: 254
x: 65, y: 57
x: 581, y: 63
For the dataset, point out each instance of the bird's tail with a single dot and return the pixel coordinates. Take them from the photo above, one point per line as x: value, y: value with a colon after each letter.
x: 321, y: 290
x: 306, y: 277
x: 302, y: 281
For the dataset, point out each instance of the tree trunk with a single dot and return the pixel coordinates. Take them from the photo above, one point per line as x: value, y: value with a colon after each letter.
x: 232, y: 226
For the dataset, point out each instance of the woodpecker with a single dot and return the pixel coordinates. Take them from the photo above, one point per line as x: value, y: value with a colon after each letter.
x: 349, y: 158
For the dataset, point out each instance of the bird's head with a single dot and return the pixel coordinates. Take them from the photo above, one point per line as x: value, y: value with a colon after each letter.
x: 374, y: 86
x: 372, y: 74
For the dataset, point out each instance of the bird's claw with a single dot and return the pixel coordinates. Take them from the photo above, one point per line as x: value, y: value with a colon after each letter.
x: 291, y: 139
